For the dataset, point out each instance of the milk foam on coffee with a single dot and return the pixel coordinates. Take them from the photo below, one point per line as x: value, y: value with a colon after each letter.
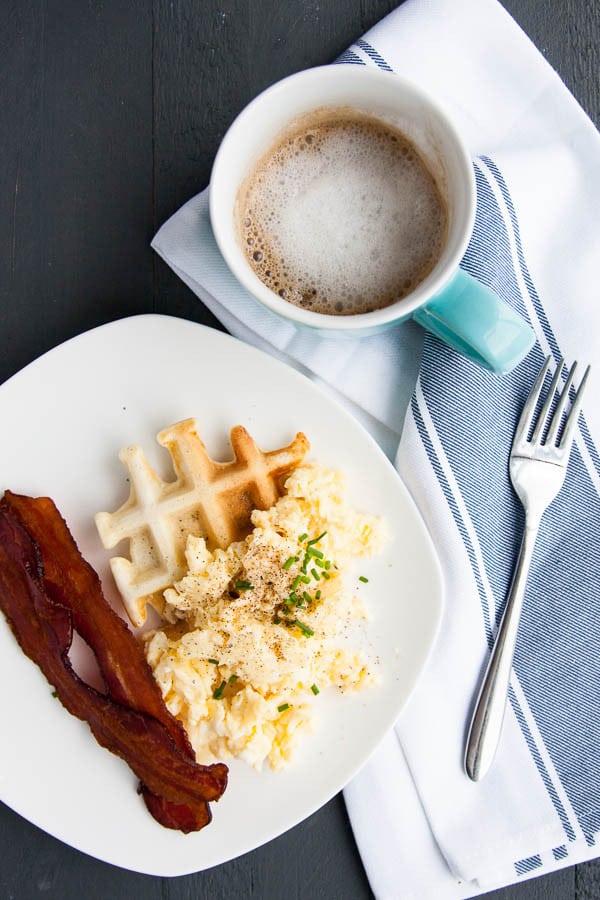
x: 341, y: 215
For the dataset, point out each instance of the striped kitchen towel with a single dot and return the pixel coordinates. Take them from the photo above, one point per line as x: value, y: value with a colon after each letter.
x: 423, y: 829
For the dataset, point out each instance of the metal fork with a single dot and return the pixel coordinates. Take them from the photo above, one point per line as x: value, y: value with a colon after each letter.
x: 537, y: 471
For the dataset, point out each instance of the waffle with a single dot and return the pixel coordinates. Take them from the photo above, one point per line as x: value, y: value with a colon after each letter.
x: 209, y: 499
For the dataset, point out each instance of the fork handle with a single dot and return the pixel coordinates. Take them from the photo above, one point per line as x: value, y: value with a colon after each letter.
x: 486, y: 724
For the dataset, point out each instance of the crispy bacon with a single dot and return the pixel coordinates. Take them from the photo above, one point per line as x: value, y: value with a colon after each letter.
x: 174, y: 815
x: 72, y: 582
x: 47, y: 589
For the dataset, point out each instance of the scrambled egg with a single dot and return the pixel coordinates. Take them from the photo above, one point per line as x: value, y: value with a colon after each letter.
x: 260, y: 629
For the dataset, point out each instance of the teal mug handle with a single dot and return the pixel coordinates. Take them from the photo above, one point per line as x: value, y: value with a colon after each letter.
x: 472, y: 319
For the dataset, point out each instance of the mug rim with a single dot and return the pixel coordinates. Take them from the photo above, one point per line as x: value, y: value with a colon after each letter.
x: 394, y: 312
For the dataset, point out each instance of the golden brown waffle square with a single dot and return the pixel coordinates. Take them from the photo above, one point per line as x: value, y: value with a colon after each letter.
x: 209, y: 499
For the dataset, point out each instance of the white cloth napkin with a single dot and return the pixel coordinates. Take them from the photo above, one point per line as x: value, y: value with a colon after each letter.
x: 423, y: 829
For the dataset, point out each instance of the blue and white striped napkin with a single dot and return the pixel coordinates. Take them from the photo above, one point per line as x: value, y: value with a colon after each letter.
x: 423, y: 829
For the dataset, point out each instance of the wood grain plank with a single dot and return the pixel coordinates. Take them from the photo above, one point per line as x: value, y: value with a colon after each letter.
x: 76, y: 150
x: 587, y: 881
x: 568, y: 35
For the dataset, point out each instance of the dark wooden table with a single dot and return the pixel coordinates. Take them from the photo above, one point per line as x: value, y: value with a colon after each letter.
x: 110, y: 115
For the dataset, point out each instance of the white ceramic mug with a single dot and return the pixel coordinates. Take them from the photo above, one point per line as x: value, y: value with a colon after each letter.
x: 448, y: 302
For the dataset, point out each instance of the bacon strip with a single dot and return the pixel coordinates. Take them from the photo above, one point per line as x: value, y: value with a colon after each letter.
x: 46, y: 590
x: 174, y: 815
x: 73, y: 583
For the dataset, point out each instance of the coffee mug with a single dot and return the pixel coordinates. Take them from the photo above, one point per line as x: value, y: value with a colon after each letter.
x: 448, y: 302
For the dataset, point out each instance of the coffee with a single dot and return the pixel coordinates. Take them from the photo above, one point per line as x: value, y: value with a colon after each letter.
x: 342, y: 215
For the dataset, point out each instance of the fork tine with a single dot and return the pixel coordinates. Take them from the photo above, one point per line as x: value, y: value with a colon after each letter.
x: 571, y: 423
x: 560, y: 408
x: 541, y: 420
x: 531, y: 403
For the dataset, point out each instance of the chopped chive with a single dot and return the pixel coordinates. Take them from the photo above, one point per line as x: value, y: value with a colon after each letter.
x: 362, y: 578
x: 306, y: 631
x: 54, y: 694
x: 315, y: 574
x: 314, y: 689
x: 296, y: 582
x: 312, y: 552
x: 307, y: 597
x: 301, y: 604
x: 290, y: 562
x: 326, y: 574
x: 283, y: 707
x: 243, y: 586
x: 218, y: 692
x: 305, y: 563
x: 303, y: 537
x: 294, y: 596
x: 315, y: 540
x: 289, y: 601
x: 233, y: 679
x: 318, y: 595
x: 319, y: 562
x: 214, y: 662
x: 327, y: 563
x: 305, y: 579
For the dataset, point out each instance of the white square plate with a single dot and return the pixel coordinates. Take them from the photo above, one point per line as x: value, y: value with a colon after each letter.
x: 64, y: 418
